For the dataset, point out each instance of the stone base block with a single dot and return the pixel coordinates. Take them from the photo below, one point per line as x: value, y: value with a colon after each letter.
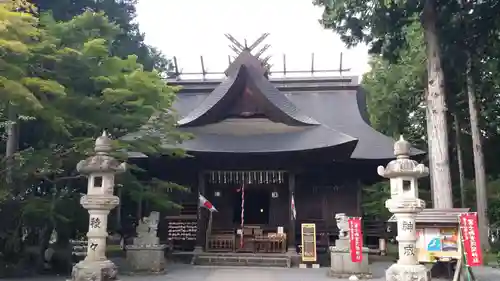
x: 350, y: 276
x: 342, y: 267
x: 342, y: 243
x: 398, y: 272
x: 94, y: 271
x: 146, y: 259
x: 311, y: 265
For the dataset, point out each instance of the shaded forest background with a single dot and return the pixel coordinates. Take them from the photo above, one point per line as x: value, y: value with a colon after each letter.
x: 398, y: 33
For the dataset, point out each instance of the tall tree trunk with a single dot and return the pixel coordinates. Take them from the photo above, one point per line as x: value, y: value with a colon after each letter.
x: 436, y: 104
x: 477, y: 148
x: 429, y: 147
x: 12, y: 143
x: 460, y: 160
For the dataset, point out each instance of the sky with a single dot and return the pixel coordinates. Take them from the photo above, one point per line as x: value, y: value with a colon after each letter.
x: 188, y: 29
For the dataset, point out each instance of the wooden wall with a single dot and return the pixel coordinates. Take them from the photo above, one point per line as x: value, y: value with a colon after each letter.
x: 278, y: 209
x: 313, y: 203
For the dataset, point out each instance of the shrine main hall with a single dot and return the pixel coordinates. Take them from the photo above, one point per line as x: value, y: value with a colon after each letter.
x: 277, y: 140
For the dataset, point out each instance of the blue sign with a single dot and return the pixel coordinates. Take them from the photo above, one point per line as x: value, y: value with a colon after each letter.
x: 434, y: 244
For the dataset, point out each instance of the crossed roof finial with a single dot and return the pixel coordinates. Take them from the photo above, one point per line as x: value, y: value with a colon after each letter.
x: 238, y: 47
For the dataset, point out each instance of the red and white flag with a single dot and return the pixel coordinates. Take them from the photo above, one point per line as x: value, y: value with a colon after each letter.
x: 205, y: 203
x: 292, y: 205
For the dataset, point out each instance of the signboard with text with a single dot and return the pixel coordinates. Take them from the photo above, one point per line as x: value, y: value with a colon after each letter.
x: 438, y: 234
x: 308, y: 231
x: 355, y: 239
x: 470, y: 236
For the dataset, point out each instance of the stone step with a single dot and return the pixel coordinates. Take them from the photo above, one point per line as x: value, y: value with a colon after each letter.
x: 220, y: 260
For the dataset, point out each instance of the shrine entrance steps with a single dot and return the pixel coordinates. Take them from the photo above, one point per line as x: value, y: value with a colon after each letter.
x: 242, y: 259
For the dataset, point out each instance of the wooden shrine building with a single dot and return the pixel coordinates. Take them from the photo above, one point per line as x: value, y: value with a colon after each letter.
x: 308, y: 138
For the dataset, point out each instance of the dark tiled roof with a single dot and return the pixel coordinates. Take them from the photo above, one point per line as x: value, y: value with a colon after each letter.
x: 191, y: 106
x: 336, y: 103
x: 341, y: 110
x: 279, y: 99
x: 311, y: 138
x: 209, y: 101
x: 246, y: 71
x: 330, y: 111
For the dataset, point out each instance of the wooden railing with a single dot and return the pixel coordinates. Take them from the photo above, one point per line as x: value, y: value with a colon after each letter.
x: 222, y: 241
x: 270, y: 244
x: 255, y: 241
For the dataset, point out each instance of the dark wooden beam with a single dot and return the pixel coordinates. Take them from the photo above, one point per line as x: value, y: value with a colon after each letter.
x: 340, y: 64
x: 202, y: 218
x: 203, y: 71
x: 312, y: 63
x: 291, y: 229
x: 284, y: 64
x: 237, y: 44
x: 258, y: 41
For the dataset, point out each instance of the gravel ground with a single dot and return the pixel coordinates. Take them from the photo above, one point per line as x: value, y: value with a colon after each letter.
x: 206, y: 273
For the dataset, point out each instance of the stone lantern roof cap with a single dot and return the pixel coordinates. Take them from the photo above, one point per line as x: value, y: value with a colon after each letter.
x: 403, y: 166
x: 402, y: 148
x: 103, y: 143
x: 101, y: 162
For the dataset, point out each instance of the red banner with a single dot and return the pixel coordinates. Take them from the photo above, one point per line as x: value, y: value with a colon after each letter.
x: 356, y: 239
x: 470, y: 237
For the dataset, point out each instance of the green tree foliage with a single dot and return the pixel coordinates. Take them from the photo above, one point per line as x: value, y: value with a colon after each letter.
x: 67, y: 87
x: 19, y: 40
x: 395, y: 90
x: 128, y: 40
x: 374, y: 197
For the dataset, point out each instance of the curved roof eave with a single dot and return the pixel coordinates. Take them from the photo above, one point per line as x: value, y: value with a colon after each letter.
x: 273, y: 95
x: 317, y: 137
x: 278, y: 99
x: 211, y: 100
x: 345, y: 111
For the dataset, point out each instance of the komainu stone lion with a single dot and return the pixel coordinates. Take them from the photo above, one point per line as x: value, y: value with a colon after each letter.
x: 342, y: 225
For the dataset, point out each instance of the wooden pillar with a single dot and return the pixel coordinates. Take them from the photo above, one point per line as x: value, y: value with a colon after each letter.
x: 292, y: 221
x: 359, y: 199
x: 201, y: 223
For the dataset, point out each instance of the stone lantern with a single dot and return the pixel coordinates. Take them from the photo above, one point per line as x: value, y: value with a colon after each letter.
x: 404, y: 203
x: 99, y: 201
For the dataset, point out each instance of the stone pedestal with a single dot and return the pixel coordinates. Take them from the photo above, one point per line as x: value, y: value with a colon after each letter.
x: 400, y: 272
x: 146, y: 258
x: 341, y: 265
x: 147, y: 255
x: 94, y: 271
